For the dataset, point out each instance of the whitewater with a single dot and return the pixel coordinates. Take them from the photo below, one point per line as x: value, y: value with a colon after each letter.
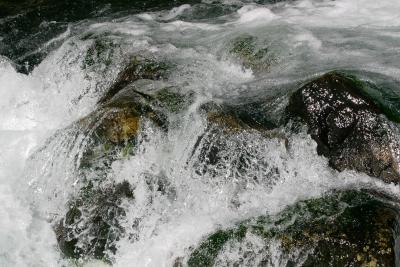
x: 39, y: 149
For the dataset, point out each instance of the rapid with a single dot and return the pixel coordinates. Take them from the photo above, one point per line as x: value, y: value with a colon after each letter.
x: 41, y: 149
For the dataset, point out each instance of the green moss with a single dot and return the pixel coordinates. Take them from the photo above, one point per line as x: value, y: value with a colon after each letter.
x: 206, y: 253
x: 244, y: 46
x: 99, y: 53
x: 173, y: 100
x: 246, y: 49
x: 127, y: 150
x: 209, y: 249
x: 349, y: 228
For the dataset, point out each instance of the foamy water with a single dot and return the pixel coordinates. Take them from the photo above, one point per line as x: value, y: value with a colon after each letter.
x: 39, y: 147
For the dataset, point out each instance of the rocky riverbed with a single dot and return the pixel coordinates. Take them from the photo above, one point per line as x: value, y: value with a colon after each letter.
x: 199, y: 133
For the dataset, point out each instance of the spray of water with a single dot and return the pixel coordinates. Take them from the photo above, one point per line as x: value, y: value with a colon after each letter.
x: 180, y: 194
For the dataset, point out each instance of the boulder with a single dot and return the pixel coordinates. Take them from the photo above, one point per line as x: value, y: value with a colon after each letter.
x: 350, y: 128
x: 91, y: 226
x: 138, y: 68
x: 347, y: 228
x: 112, y: 129
x: 231, y: 148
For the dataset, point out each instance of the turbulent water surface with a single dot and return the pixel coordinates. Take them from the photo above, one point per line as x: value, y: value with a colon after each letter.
x: 47, y: 86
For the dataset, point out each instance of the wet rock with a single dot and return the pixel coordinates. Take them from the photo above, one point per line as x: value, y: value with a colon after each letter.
x: 225, y: 120
x: 251, y: 54
x: 112, y: 130
x: 248, y: 115
x: 100, y: 53
x: 348, y: 126
x: 173, y: 100
x: 362, y: 234
x: 232, y: 150
x: 348, y: 228
x: 92, y: 224
x: 138, y: 68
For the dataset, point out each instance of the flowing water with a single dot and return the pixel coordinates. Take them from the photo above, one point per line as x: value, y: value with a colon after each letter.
x: 40, y: 149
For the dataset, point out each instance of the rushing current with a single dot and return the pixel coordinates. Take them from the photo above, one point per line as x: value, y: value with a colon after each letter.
x: 39, y: 149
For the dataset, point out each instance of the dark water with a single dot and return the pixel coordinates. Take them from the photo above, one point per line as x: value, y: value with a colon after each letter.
x: 25, y: 26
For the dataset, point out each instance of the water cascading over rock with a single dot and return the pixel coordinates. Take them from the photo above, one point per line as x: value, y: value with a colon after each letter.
x: 349, y: 228
x: 348, y: 126
x: 91, y: 225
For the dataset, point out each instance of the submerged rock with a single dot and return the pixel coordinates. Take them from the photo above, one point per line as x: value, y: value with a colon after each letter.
x: 341, y: 229
x: 225, y: 125
x: 172, y: 100
x: 348, y: 126
x: 138, y: 68
x: 247, y: 50
x: 232, y: 150
x: 233, y: 116
x: 99, y: 56
x: 115, y: 126
x: 92, y: 224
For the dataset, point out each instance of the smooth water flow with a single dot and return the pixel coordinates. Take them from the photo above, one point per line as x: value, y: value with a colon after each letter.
x: 41, y: 147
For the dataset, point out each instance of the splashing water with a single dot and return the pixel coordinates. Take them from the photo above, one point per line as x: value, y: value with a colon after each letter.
x: 41, y: 146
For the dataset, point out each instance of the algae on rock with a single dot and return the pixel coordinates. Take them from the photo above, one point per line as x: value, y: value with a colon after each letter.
x: 349, y: 228
x: 91, y: 225
x: 247, y: 50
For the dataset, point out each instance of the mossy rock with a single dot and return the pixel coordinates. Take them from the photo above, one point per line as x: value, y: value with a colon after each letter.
x: 247, y: 50
x: 100, y: 53
x: 148, y: 94
x: 348, y: 228
x: 119, y: 126
x: 348, y: 125
x: 91, y: 225
x: 111, y: 134
x: 112, y: 130
x: 172, y: 100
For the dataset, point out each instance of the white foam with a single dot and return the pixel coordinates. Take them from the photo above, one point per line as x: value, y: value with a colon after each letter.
x: 176, y: 11
x: 180, y: 25
x: 252, y: 14
x: 342, y: 13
